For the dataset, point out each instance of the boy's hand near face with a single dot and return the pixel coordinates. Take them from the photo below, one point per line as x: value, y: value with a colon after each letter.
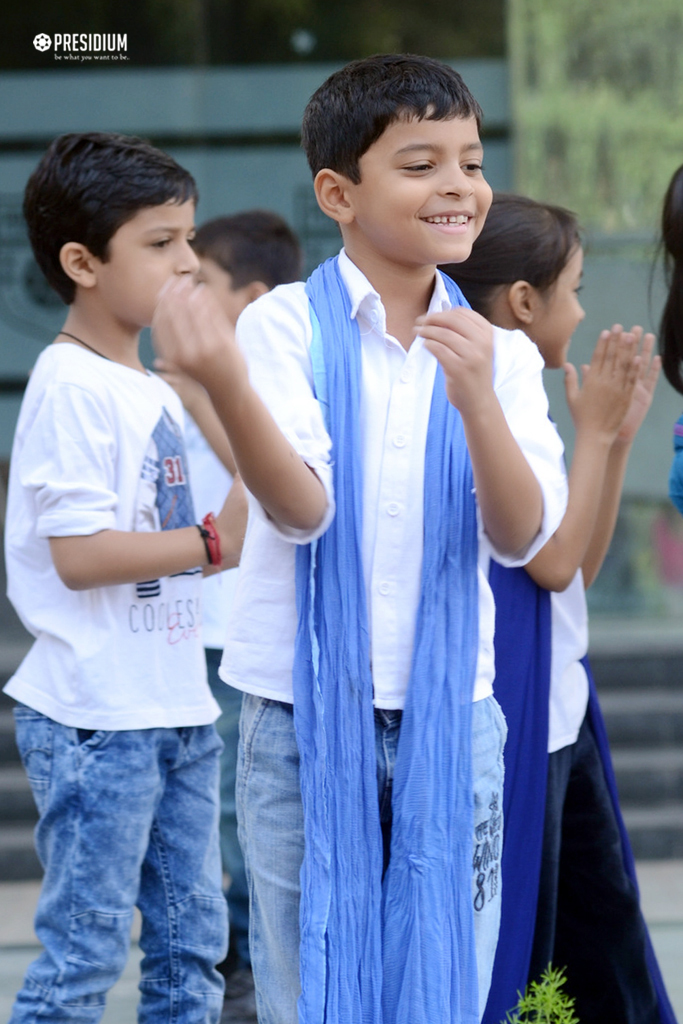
x: 462, y: 341
x: 508, y: 493
x: 191, y: 331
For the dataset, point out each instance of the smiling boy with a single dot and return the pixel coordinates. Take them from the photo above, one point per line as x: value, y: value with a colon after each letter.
x: 104, y: 563
x: 375, y: 407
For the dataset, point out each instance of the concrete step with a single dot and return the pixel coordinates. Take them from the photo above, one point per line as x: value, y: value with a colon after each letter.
x: 649, y: 777
x: 640, y: 717
x: 656, y: 833
x: 16, y: 799
x: 18, y: 858
x: 646, y: 671
x: 8, y: 748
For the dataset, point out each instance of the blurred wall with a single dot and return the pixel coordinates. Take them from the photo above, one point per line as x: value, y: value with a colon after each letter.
x: 235, y: 129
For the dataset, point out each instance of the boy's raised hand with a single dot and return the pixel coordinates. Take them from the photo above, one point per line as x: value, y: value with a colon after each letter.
x: 462, y: 341
x: 191, y: 331
x: 600, y: 404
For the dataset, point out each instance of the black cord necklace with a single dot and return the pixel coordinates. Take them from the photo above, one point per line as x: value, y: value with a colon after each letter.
x: 85, y: 343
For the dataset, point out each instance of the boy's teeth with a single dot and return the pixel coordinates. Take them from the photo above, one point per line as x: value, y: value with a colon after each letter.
x: 460, y: 219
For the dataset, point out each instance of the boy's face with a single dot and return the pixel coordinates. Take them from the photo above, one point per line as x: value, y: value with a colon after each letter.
x: 147, y: 251
x: 422, y: 198
x: 233, y: 300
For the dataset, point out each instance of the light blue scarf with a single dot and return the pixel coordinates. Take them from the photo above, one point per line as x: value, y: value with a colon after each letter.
x: 399, y: 951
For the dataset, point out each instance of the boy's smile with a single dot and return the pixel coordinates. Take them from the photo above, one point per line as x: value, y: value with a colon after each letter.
x: 422, y: 198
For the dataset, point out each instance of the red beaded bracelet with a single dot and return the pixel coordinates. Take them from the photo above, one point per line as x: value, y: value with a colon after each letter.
x: 212, y: 541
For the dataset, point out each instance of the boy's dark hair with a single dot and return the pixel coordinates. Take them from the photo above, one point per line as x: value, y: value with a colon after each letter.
x: 86, y: 186
x: 521, y: 240
x: 358, y: 103
x: 671, y: 327
x: 255, y: 245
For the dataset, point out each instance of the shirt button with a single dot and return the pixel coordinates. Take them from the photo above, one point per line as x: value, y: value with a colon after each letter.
x: 384, y: 589
x: 374, y: 316
x: 393, y: 508
x: 406, y: 376
x: 400, y: 441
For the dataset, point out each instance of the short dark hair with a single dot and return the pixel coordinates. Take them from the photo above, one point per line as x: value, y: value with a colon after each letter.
x: 86, y: 186
x: 256, y: 245
x: 522, y: 240
x: 358, y: 103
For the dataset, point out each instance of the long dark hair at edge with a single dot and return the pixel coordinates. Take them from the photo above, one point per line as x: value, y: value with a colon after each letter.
x: 671, y: 328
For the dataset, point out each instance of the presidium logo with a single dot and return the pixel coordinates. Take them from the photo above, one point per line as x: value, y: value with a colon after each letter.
x: 84, y: 46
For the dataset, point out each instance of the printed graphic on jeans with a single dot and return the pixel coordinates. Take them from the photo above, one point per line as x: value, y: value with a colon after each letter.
x: 488, y: 842
x: 165, y: 497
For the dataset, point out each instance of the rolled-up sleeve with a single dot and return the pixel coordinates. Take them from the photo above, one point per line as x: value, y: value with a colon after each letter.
x: 275, y: 335
x: 518, y: 383
x: 68, y: 464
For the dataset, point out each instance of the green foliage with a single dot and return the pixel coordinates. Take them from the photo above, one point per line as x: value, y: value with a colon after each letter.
x: 544, y: 1002
x: 598, y: 98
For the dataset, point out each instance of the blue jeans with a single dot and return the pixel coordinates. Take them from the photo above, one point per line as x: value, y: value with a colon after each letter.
x: 126, y: 818
x: 228, y: 727
x: 271, y: 829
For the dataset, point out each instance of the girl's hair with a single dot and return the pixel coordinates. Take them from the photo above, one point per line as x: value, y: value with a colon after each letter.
x: 521, y: 240
x: 671, y: 328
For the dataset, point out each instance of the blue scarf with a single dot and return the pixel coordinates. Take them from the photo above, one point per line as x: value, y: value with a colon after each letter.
x: 398, y: 950
x: 676, y: 474
x: 522, y: 688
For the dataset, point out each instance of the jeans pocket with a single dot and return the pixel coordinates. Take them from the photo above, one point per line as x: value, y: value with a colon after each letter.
x: 35, y: 737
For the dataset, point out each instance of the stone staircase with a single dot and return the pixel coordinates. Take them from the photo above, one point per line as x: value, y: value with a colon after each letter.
x: 642, y: 701
x: 18, y: 816
x: 641, y: 697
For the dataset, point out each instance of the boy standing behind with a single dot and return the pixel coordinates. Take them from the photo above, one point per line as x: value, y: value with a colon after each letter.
x: 241, y: 257
x: 104, y: 565
x: 375, y: 411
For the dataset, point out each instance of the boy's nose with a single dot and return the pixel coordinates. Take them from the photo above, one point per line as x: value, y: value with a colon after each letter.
x: 189, y: 262
x: 457, y: 183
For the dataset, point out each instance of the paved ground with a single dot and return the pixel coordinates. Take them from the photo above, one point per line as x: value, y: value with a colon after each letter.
x: 661, y: 886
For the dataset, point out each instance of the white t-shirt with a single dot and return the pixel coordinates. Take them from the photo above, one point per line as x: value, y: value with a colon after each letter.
x: 568, y: 679
x: 275, y: 334
x: 210, y: 483
x: 99, y: 446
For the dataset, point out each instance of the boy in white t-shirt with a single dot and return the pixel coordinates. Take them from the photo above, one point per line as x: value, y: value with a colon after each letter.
x: 104, y: 564
x: 241, y: 257
x: 360, y: 829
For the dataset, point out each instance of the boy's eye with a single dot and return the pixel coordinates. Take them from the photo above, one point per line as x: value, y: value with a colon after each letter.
x: 418, y: 167
x: 474, y: 167
x: 161, y: 243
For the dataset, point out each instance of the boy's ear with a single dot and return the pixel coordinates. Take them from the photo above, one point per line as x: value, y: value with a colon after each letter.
x: 254, y: 290
x: 523, y: 298
x: 332, y: 192
x: 78, y: 263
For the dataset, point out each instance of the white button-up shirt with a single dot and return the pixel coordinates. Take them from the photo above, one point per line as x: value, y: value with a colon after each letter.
x: 396, y: 391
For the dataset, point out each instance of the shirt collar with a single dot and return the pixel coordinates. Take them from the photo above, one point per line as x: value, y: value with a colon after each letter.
x: 365, y: 300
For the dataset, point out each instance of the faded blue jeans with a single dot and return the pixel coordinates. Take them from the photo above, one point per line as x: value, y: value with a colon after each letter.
x: 271, y: 831
x: 126, y: 818
x: 228, y: 728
